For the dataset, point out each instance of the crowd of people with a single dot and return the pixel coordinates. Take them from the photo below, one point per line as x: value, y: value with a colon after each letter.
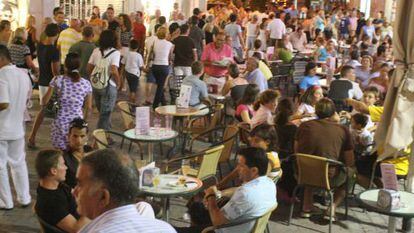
x: 228, y: 50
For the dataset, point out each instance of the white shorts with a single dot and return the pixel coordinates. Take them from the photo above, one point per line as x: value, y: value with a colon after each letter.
x: 42, y: 92
x: 182, y: 71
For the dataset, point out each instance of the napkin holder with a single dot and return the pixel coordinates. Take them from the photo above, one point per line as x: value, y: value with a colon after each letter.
x: 388, y: 199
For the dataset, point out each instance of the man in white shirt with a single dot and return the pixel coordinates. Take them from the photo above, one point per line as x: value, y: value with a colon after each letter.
x: 15, y: 89
x: 298, y: 39
x: 107, y: 187
x: 276, y: 29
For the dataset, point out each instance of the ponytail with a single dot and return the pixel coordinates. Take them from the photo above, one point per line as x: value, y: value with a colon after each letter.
x: 266, y: 97
x: 72, y: 63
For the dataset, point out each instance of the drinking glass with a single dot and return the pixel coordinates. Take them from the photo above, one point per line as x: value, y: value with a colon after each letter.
x: 185, y: 167
x: 156, y: 180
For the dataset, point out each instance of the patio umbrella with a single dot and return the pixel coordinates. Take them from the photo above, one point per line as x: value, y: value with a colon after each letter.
x: 396, y: 128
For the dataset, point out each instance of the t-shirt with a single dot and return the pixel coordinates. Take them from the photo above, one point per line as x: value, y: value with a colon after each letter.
x: 15, y: 89
x: 113, y: 25
x: 251, y: 29
x: 233, y: 30
x: 375, y: 112
x: 369, y: 30
x: 309, y: 81
x: 285, y: 55
x: 298, y: 41
x: 323, y: 138
x: 265, y: 70
x: 277, y: 29
x: 113, y: 59
x: 67, y: 38
x: 84, y: 49
x: 161, y: 52
x: 262, y: 115
x: 210, y: 53
x: 46, y: 55
x: 54, y: 205
x: 198, y: 89
x: 198, y: 36
x: 242, y: 107
x: 183, y: 51
x: 133, y: 61
x: 305, y: 109
x: 72, y: 163
x: 252, y: 199
x: 18, y: 53
x: 323, y: 54
x: 343, y: 25
x: 257, y: 77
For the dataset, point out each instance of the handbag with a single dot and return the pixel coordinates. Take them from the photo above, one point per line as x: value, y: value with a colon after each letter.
x: 53, y: 106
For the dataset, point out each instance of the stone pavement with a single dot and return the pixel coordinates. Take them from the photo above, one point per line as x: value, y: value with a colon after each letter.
x: 21, y: 220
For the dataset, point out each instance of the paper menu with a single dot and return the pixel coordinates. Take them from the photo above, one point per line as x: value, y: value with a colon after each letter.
x: 183, y: 99
x: 142, y: 120
x: 389, y: 177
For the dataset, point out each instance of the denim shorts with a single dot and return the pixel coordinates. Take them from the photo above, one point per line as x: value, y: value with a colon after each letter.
x: 150, y: 77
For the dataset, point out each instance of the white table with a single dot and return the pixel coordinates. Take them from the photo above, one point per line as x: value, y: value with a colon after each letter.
x: 368, y: 199
x: 166, y: 189
x: 154, y: 135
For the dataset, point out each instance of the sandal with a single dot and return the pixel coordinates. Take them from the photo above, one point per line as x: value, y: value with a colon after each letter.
x: 326, y: 216
x: 309, y: 213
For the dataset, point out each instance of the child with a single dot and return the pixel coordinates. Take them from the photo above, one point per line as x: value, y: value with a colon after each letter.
x: 306, y: 109
x: 310, y: 78
x: 133, y: 65
x: 257, y: 49
x: 362, y: 138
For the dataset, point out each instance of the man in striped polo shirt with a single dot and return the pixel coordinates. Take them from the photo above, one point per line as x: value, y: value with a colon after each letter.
x: 69, y: 37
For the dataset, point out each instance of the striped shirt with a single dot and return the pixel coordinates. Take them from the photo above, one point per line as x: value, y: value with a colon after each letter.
x: 18, y: 53
x: 67, y: 38
x: 126, y: 219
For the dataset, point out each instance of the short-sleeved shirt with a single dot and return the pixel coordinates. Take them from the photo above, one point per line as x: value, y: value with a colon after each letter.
x: 67, y: 38
x: 309, y: 81
x: 84, y: 49
x: 343, y: 25
x: 243, y: 107
x: 15, y: 88
x: 233, y: 30
x: 210, y: 53
x: 113, y: 59
x: 133, y: 62
x: 54, y: 205
x: 183, y: 51
x: 18, y: 53
x: 323, y: 138
x: 277, y: 29
x: 265, y: 70
x: 306, y: 109
x: 375, y: 112
x: 198, y: 89
x: 46, y: 55
x: 198, y: 36
x: 250, y: 200
x: 72, y: 163
x: 257, y: 77
x: 161, y: 52
x: 262, y: 115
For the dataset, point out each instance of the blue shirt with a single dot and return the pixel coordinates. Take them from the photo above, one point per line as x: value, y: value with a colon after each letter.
x: 309, y: 81
x: 250, y: 200
x: 258, y: 78
x: 323, y: 54
x: 198, y: 89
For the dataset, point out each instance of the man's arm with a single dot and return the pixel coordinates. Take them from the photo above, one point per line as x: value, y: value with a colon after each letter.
x: 349, y: 159
x: 216, y: 215
x: 71, y: 225
x: 56, y: 68
x: 358, y: 106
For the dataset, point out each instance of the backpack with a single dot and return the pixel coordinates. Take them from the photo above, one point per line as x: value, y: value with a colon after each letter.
x: 101, y: 74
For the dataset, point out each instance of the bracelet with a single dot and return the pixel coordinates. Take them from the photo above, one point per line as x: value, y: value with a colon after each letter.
x: 210, y: 195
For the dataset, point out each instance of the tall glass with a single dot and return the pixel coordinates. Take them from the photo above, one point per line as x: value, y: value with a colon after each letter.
x: 156, y: 180
x: 185, y: 166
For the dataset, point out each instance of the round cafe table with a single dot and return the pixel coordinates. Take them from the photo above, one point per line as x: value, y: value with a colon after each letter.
x: 168, y: 188
x: 155, y: 135
x: 368, y: 199
x: 179, y: 114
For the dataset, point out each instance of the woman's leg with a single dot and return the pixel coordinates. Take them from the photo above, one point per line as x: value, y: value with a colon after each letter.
x: 160, y: 73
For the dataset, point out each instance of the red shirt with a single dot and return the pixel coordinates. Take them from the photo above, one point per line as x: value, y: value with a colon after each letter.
x: 139, y: 31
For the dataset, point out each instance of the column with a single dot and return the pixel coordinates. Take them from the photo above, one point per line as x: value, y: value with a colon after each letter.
x: 388, y: 9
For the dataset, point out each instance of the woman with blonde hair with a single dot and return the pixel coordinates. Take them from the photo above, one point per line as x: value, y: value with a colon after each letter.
x: 31, y: 35
x: 20, y: 52
x: 162, y: 51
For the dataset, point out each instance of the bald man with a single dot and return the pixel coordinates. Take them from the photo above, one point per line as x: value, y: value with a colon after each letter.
x: 69, y: 37
x: 254, y: 75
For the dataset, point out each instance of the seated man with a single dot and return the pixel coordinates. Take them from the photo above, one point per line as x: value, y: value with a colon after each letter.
x: 199, y: 91
x: 78, y: 137
x: 344, y: 88
x: 254, y: 198
x: 254, y: 75
x: 325, y: 137
x: 55, y: 204
x: 107, y: 187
